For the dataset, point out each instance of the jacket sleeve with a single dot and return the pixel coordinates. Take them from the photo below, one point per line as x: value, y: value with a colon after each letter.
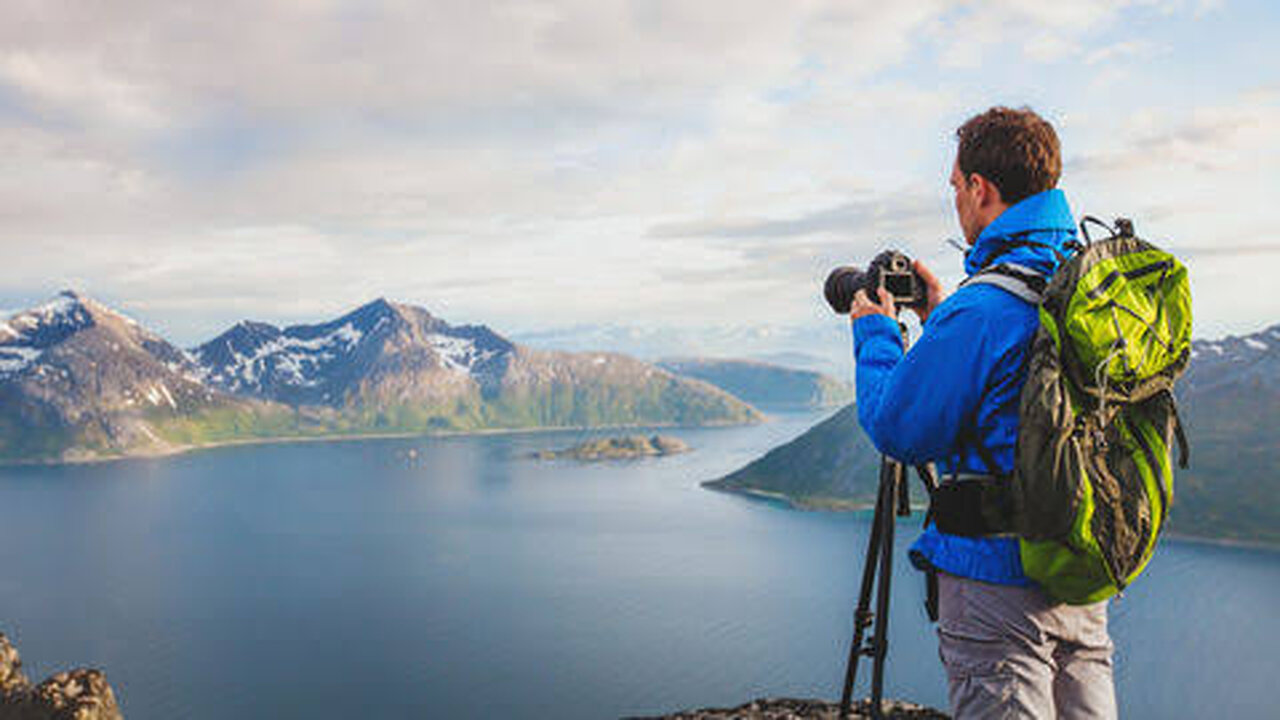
x: 914, y: 406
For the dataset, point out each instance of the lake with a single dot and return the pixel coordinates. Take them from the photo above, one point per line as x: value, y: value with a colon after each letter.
x: 456, y: 577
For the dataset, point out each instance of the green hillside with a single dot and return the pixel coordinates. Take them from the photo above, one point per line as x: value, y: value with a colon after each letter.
x: 1231, y: 491
x: 765, y: 384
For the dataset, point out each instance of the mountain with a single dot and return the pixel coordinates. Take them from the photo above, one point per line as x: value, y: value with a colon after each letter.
x: 833, y: 465
x: 763, y: 384
x: 393, y: 367
x: 822, y: 344
x: 325, y: 364
x: 80, y: 381
x: 1230, y: 404
x: 1233, y: 360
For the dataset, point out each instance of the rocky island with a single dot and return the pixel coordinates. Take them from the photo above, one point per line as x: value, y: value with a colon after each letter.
x: 617, y: 448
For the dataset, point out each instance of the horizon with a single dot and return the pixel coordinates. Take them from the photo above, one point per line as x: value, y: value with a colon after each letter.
x: 520, y: 337
x: 597, y: 165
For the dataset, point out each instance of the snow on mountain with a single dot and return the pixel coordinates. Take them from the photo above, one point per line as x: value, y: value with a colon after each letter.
x: 25, y: 335
x: 16, y: 358
x: 254, y: 353
x: 460, y: 353
x: 317, y: 363
x: 1249, y: 358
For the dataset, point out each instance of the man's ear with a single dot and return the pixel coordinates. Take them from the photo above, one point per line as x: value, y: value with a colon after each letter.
x: 989, y: 194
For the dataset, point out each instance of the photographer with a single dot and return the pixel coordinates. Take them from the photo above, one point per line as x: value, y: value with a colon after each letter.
x: 1009, y: 650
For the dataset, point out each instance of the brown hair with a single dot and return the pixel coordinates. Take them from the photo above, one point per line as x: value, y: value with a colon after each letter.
x: 1017, y: 150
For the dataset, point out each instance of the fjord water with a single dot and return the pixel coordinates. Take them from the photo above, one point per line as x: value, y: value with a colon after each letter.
x: 456, y: 577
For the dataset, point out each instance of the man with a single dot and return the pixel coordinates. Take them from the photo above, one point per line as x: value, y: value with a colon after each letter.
x: 1008, y: 649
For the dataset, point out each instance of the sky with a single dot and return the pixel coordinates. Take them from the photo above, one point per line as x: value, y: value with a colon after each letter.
x: 544, y: 165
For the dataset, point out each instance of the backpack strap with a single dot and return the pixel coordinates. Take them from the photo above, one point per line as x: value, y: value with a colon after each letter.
x: 1184, y: 447
x: 1013, y: 278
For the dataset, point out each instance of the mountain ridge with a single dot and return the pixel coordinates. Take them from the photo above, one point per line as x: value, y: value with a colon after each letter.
x: 79, y: 381
x: 764, y: 384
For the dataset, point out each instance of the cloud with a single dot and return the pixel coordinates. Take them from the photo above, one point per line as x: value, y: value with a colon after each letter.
x: 521, y: 163
x: 1229, y: 249
x: 1128, y: 49
x: 869, y: 216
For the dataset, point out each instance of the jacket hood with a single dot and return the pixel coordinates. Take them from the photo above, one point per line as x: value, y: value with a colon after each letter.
x: 1042, y: 218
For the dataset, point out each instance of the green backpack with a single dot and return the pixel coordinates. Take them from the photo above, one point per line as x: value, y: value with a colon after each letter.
x: 1092, y: 482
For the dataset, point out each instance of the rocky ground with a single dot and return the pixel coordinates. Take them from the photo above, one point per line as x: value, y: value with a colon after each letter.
x: 795, y: 709
x: 79, y: 694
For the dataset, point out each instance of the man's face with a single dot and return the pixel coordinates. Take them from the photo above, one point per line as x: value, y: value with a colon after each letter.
x: 966, y: 192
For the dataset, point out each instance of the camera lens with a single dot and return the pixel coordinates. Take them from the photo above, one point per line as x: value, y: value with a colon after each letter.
x: 842, y: 284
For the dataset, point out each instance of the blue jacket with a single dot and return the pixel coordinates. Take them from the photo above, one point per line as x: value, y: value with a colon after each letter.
x: 962, y: 378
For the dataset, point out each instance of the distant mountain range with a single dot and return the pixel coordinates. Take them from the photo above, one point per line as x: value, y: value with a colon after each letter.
x: 765, y: 385
x: 1230, y: 403
x: 823, y: 345
x: 81, y: 381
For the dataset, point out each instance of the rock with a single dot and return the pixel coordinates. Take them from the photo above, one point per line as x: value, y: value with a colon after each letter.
x: 12, y: 679
x: 667, y: 445
x: 800, y: 709
x: 81, y: 694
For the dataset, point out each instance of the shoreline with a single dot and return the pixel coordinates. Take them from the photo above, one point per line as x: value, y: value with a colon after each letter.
x: 1233, y: 543
x: 352, y: 437
x: 841, y: 506
x: 777, y: 498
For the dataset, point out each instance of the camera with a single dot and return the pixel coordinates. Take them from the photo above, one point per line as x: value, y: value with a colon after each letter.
x: 890, y: 270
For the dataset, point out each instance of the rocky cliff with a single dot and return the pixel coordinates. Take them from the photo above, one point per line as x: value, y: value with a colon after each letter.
x: 79, y: 694
x: 794, y: 709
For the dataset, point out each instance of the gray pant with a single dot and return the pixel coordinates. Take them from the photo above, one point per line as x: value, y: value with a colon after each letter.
x: 1011, y: 652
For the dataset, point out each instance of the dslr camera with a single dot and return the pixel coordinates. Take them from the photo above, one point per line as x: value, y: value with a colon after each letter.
x: 890, y: 270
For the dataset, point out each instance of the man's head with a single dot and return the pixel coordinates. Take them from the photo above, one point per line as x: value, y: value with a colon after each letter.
x: 1004, y: 156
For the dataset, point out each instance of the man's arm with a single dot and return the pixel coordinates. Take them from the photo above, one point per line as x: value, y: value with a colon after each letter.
x: 914, y: 406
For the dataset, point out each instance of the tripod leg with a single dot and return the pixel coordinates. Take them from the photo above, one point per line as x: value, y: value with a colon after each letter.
x: 862, y: 617
x: 881, y: 640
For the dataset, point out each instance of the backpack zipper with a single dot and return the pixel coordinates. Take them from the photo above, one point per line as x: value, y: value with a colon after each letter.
x: 1133, y: 274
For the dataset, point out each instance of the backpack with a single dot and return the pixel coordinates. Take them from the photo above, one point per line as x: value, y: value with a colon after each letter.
x: 1092, y: 482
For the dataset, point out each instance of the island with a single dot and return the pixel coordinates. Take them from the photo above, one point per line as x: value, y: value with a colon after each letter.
x: 617, y: 448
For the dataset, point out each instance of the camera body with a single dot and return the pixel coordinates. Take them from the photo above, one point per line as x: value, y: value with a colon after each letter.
x: 890, y: 270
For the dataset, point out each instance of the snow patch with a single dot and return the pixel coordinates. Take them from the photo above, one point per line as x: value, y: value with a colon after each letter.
x: 164, y: 390
x: 1255, y: 343
x: 458, y: 353
x: 297, y: 360
x: 16, y: 358
x: 157, y: 394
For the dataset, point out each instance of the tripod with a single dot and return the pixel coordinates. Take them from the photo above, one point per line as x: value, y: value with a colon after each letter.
x: 892, y: 499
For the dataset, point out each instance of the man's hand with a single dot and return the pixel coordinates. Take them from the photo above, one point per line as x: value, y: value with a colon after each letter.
x: 934, y: 294
x: 862, y: 305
